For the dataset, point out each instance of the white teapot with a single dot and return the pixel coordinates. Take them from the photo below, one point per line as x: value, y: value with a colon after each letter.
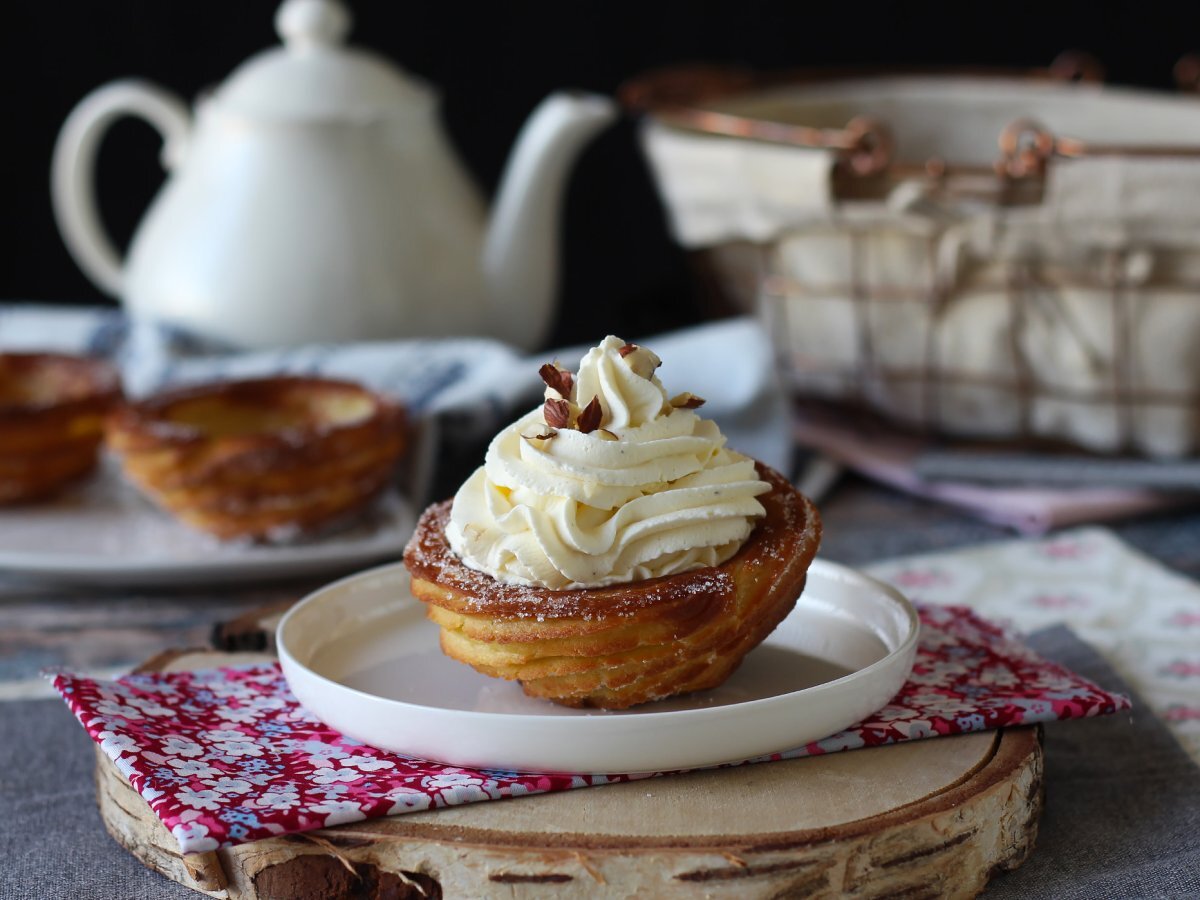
x: 314, y: 197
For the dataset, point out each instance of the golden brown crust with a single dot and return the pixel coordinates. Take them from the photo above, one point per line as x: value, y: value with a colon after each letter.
x: 261, y: 457
x: 617, y: 646
x: 52, y: 410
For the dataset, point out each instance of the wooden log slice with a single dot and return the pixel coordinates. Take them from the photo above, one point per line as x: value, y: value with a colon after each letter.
x: 934, y: 818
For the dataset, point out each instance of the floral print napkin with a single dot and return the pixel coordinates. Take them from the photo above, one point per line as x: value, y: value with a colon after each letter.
x: 225, y: 756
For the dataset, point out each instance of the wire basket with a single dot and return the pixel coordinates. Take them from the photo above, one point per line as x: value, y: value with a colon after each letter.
x: 970, y: 255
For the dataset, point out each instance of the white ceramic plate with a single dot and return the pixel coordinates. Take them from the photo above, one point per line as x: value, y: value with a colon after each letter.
x: 360, y: 655
x: 105, y: 533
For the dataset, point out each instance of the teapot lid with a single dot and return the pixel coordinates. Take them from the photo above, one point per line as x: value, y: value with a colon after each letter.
x: 314, y: 75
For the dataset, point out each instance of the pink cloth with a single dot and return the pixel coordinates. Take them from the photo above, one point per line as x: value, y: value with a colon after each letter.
x: 225, y: 756
x: 887, y: 455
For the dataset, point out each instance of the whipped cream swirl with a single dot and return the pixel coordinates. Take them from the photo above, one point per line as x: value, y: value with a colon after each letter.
x: 651, y: 491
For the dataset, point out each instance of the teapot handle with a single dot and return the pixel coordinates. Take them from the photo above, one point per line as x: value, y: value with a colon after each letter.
x: 72, y: 185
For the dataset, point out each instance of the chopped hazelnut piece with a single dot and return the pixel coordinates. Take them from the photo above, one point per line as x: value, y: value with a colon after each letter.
x: 557, y: 379
x: 687, y: 400
x: 641, y: 360
x: 557, y: 413
x: 589, y: 419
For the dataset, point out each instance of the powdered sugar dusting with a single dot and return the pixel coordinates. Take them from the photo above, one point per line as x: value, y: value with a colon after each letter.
x: 429, y: 557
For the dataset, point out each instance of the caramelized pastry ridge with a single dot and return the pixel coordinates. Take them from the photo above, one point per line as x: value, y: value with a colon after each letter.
x: 262, y: 458
x: 52, y: 410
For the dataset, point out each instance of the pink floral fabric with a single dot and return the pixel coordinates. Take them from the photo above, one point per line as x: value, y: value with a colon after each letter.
x: 225, y: 756
x: 1140, y: 616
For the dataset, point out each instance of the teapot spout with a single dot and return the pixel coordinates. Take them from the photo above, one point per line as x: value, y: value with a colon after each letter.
x: 520, y: 253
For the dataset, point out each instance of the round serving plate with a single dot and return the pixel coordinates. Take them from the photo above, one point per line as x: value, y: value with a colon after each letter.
x: 106, y: 535
x: 360, y: 655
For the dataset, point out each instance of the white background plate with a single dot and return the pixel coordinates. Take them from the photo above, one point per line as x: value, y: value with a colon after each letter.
x: 103, y: 532
x: 360, y: 655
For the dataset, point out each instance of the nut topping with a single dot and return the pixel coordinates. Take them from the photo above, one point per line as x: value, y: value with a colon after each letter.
x: 557, y: 379
x: 642, y: 361
x: 557, y: 413
x: 687, y: 400
x: 589, y: 419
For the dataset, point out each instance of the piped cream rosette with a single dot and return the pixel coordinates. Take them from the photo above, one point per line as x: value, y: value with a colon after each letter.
x: 609, y: 481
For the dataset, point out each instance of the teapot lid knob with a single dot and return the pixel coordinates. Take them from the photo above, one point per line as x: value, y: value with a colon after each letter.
x: 316, y: 76
x: 304, y: 24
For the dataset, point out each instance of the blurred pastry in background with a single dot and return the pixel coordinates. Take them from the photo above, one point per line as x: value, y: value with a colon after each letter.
x: 266, y: 459
x: 52, y: 410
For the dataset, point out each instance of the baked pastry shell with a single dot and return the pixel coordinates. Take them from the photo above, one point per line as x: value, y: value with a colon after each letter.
x: 617, y: 646
x: 52, y: 410
x: 263, y: 458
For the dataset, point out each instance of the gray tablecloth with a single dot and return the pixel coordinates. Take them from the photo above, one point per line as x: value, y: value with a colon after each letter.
x: 1122, y: 814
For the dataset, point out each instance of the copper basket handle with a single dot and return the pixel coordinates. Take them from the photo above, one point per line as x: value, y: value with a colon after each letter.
x: 1187, y: 73
x: 864, y: 146
x: 1077, y: 65
x: 1026, y: 146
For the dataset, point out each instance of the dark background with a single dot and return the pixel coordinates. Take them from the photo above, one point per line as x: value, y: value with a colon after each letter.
x: 493, y: 62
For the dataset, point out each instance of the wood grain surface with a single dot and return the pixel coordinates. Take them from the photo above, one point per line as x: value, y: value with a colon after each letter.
x: 924, y: 819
